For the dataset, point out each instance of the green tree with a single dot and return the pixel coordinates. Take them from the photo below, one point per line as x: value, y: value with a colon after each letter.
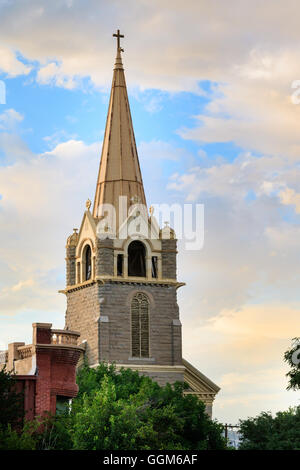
x: 127, y: 411
x: 266, y: 432
x: 123, y: 411
x: 12, y: 436
x: 11, y: 439
x: 292, y: 357
x: 11, y: 409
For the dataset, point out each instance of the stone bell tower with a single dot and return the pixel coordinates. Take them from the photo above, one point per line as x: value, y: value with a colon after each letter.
x: 121, y: 267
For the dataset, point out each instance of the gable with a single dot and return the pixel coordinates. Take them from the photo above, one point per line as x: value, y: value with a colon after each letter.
x: 199, y: 384
x: 139, y: 226
x: 87, y: 230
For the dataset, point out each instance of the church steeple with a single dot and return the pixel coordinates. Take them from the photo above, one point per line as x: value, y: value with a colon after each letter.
x: 122, y: 284
x: 119, y: 171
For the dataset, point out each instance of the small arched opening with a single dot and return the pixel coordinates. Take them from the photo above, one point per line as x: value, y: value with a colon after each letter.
x: 137, y: 259
x: 87, y: 258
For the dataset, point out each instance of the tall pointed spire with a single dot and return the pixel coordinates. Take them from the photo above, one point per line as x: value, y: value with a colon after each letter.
x: 119, y: 171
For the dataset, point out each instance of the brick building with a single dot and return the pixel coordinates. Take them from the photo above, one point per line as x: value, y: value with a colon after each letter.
x: 46, y: 369
x: 121, y: 268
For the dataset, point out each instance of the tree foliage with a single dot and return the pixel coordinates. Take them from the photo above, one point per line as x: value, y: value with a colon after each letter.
x: 266, y: 432
x: 292, y: 357
x: 23, y: 439
x: 123, y: 411
x: 127, y: 411
x: 11, y: 409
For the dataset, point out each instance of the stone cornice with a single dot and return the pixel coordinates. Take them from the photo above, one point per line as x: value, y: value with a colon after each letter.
x: 120, y: 280
x: 79, y: 286
x: 148, y: 367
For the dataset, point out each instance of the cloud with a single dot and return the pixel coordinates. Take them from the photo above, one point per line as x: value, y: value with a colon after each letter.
x: 158, y: 149
x: 10, y: 64
x: 242, y: 350
x: 253, y: 107
x: 290, y: 197
x: 9, y: 118
x: 249, y: 247
x: 251, y: 68
x: 57, y: 137
x: 242, y: 303
x: 241, y: 307
x: 42, y: 197
x: 12, y: 146
x: 164, y: 46
x: 264, y: 176
x: 257, y: 322
x: 52, y: 74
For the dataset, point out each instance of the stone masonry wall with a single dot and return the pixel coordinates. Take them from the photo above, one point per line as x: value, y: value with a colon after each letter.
x: 105, y: 257
x: 101, y: 313
x: 177, y: 342
x: 169, y: 251
x: 82, y: 315
x: 162, y: 378
x: 165, y: 345
x: 70, y: 265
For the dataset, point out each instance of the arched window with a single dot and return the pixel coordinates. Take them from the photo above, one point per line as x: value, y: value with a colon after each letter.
x: 140, y: 326
x: 88, y: 262
x: 137, y: 259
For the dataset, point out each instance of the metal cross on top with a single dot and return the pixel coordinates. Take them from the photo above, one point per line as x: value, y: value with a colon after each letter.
x: 118, y: 36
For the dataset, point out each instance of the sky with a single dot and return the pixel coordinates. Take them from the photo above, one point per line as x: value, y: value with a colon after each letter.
x: 216, y: 121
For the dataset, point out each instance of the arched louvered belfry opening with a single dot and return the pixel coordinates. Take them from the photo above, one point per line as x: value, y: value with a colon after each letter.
x: 137, y: 259
x: 140, y: 325
x: 87, y: 263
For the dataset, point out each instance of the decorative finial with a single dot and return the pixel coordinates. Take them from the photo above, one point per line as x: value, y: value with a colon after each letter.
x: 151, y: 210
x: 118, y: 36
x: 88, y: 204
x: 167, y: 224
x: 75, y: 230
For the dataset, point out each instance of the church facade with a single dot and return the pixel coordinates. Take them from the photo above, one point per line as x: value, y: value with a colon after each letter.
x: 121, y: 272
